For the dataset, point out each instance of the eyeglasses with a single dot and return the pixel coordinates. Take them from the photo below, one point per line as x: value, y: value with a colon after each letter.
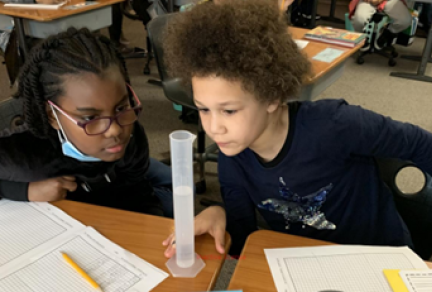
x: 100, y: 125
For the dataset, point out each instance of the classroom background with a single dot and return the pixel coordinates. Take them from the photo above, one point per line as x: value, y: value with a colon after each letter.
x: 368, y: 85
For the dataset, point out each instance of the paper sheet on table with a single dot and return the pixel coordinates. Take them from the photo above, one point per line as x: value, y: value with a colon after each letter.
x: 113, y: 268
x: 28, y: 228
x: 328, y: 55
x: 417, y: 281
x: 80, y: 5
x: 301, y: 44
x: 37, y: 233
x: 35, y: 6
x: 338, y: 267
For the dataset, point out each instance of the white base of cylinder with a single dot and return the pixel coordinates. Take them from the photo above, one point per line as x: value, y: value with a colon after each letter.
x: 179, y: 272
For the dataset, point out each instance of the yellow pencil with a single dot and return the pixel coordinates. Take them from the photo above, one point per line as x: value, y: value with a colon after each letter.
x: 81, y: 271
x: 282, y: 5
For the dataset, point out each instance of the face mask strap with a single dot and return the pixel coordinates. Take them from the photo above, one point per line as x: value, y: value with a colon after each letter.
x: 61, y: 134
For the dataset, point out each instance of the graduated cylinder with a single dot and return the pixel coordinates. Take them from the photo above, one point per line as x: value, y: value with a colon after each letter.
x: 183, y: 188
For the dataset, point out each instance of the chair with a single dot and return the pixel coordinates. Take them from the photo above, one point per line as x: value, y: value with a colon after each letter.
x: 415, y: 209
x: 126, y: 12
x: 372, y: 29
x: 11, y: 111
x: 177, y: 93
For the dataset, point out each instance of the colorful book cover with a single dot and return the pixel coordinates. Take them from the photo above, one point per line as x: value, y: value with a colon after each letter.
x: 321, y: 32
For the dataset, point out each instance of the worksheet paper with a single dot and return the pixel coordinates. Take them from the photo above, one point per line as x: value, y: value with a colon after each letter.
x: 417, y: 281
x: 27, y: 229
x: 39, y: 267
x: 35, y: 6
x: 301, y: 44
x: 338, y: 268
x: 328, y: 55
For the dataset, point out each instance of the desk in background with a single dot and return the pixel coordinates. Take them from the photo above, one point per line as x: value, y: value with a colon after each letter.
x: 323, y: 74
x: 252, y: 272
x: 143, y: 235
x: 40, y: 23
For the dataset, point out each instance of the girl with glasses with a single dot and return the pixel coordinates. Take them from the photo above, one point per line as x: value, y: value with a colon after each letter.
x: 81, y: 139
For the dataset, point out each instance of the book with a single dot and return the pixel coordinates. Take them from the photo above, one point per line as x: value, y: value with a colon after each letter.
x: 33, y: 238
x: 335, y: 36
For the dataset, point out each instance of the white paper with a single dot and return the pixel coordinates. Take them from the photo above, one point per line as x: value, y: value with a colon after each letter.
x: 27, y: 229
x: 338, y: 267
x: 417, y: 281
x: 301, y: 44
x: 35, y: 6
x: 328, y: 55
x: 80, y: 5
x: 113, y: 268
x: 40, y: 266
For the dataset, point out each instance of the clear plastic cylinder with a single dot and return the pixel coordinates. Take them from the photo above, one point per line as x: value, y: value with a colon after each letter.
x: 181, y: 143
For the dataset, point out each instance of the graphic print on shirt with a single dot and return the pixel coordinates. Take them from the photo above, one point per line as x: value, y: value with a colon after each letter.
x: 295, y: 208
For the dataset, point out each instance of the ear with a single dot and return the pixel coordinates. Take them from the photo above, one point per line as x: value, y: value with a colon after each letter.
x: 273, y: 106
x: 51, y: 118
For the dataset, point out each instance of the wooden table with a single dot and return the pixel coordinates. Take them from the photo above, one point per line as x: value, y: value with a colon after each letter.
x: 43, y: 15
x: 252, y: 272
x: 323, y: 74
x: 49, y: 15
x: 143, y: 235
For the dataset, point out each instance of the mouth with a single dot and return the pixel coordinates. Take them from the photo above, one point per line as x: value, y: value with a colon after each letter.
x: 220, y: 144
x: 117, y: 148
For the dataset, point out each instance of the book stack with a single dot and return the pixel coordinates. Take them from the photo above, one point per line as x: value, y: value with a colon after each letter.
x: 335, y: 36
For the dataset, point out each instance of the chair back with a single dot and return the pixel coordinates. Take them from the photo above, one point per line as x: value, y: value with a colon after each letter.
x: 415, y: 209
x: 155, y: 32
x: 11, y: 113
x: 173, y: 87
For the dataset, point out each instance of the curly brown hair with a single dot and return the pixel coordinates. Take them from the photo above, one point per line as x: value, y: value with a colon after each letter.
x: 238, y: 40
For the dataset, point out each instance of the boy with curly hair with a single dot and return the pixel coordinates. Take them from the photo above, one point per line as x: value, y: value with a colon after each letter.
x: 307, y: 167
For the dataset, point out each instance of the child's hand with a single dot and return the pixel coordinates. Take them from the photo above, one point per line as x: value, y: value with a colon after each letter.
x: 50, y: 190
x: 212, y: 221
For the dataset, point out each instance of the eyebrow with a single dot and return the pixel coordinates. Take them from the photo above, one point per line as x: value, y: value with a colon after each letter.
x: 92, y: 109
x: 221, y: 104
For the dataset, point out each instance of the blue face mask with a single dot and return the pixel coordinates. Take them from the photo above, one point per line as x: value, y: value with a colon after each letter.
x: 68, y: 148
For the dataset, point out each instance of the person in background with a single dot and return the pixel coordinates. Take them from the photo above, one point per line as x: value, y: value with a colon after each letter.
x: 425, y: 17
x: 116, y: 29
x: 301, y: 13
x: 361, y: 12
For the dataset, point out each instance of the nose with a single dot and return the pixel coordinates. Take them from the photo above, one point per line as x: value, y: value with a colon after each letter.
x: 217, y: 126
x: 114, y: 130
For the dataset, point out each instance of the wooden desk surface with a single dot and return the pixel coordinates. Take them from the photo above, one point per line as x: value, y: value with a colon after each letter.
x: 45, y: 15
x: 143, y: 235
x: 313, y: 48
x: 253, y: 263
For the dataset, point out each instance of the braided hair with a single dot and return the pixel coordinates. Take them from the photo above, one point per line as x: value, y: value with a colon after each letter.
x: 71, y: 52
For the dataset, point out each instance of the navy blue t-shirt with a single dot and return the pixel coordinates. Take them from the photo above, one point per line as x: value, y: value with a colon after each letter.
x: 324, y: 183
